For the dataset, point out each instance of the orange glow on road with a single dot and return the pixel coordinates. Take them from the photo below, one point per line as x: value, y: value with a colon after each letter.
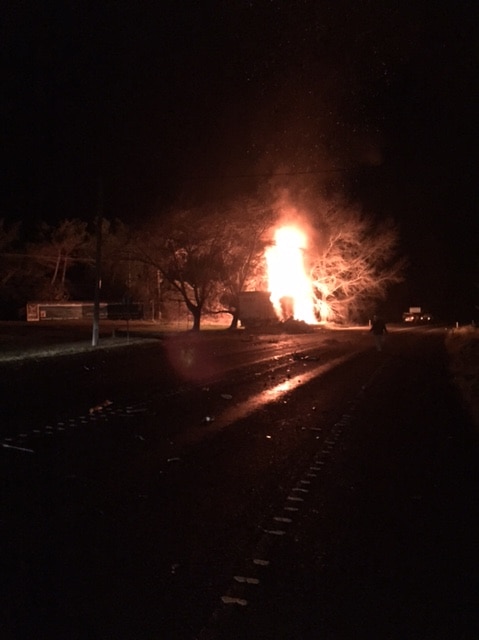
x: 289, y: 284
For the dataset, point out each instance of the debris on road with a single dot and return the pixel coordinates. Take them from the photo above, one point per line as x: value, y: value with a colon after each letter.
x: 11, y: 446
x: 246, y: 580
x: 231, y: 600
x: 101, y: 406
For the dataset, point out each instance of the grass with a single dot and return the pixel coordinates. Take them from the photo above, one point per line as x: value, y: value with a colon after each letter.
x: 463, y: 347
x: 22, y: 340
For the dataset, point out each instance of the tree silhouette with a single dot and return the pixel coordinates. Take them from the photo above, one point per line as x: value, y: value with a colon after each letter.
x: 186, y: 249
x: 56, y: 250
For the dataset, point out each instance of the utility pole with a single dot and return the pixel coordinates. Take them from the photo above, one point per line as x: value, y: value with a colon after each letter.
x: 96, y: 299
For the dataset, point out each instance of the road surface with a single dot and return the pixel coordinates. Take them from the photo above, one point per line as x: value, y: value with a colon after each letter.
x: 295, y: 488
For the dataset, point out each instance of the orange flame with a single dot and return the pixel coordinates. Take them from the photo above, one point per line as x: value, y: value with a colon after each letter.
x: 290, y: 287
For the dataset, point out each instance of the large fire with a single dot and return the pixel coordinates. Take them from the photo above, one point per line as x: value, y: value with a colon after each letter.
x: 289, y: 284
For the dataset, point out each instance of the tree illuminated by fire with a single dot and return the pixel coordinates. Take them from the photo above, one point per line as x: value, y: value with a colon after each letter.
x: 332, y: 270
x: 324, y: 263
x: 355, y: 266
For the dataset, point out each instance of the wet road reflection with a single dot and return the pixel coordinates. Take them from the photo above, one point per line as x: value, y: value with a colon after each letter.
x: 260, y: 400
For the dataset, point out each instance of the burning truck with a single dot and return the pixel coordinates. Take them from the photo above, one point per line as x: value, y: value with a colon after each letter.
x: 256, y: 311
x: 289, y: 302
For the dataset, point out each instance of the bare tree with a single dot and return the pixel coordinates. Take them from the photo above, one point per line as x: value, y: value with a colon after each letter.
x: 12, y: 267
x: 186, y: 248
x: 354, y: 264
x: 57, y: 249
x: 243, y: 249
x: 9, y: 260
x: 115, y: 265
x: 124, y: 277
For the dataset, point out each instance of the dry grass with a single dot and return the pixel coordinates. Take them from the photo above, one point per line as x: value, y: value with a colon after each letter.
x: 463, y: 348
x: 20, y: 340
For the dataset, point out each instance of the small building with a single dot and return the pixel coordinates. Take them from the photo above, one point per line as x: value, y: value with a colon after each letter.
x: 40, y: 311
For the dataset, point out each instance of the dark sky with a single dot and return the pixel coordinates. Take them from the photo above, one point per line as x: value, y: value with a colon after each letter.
x: 177, y: 100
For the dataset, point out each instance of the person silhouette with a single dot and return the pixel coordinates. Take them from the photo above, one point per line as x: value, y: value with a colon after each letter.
x: 379, y: 331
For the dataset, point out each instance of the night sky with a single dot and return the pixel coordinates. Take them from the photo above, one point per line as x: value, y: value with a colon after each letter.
x: 200, y: 101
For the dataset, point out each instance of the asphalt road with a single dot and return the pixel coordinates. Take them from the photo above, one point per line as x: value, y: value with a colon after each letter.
x: 295, y: 488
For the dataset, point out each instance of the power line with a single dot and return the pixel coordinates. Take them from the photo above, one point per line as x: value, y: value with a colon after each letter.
x: 263, y: 175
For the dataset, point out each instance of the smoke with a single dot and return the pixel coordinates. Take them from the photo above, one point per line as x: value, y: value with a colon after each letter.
x: 305, y: 209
